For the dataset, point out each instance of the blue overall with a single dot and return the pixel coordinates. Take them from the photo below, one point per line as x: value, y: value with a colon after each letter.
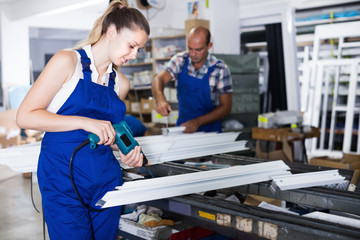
x: 136, y: 126
x: 195, y: 99
x: 95, y: 171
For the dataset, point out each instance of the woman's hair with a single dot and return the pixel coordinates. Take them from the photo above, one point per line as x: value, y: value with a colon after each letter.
x: 121, y: 16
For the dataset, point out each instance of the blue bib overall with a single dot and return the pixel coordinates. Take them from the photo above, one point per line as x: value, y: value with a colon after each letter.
x: 195, y: 99
x: 95, y: 171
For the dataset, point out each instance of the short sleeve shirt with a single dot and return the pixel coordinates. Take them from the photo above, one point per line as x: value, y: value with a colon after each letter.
x: 220, y: 81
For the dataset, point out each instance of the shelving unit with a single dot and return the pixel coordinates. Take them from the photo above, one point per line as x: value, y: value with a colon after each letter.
x: 164, y: 48
x: 245, y: 96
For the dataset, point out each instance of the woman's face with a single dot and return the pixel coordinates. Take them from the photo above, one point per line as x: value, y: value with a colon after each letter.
x: 126, y: 44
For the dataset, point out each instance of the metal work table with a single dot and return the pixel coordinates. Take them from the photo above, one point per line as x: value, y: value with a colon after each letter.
x: 242, y: 221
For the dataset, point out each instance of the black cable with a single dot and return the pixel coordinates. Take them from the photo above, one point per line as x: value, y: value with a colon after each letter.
x: 86, y: 142
x: 33, y: 203
x: 44, y: 226
x: 92, y: 227
x: 31, y: 192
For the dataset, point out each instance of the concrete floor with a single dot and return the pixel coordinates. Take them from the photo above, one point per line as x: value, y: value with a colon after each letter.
x: 18, y: 218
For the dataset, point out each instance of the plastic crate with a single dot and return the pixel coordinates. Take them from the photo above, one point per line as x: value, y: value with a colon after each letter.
x: 194, y: 233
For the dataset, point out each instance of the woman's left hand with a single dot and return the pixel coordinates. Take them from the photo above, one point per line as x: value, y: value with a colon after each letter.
x: 134, y: 158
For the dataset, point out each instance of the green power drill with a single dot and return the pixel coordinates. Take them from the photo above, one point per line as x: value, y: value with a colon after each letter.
x: 124, y: 139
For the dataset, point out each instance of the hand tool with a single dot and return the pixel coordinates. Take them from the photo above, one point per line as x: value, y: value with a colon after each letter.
x: 166, y: 132
x: 124, y: 139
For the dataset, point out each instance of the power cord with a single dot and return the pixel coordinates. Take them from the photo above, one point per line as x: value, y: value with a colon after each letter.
x: 71, y: 163
x: 33, y: 203
x: 31, y: 192
x: 86, y: 142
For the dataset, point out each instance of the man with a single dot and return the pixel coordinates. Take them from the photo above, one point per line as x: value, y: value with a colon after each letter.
x: 204, y: 85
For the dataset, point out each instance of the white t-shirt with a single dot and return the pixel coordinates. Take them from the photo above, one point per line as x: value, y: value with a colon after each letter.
x: 67, y: 88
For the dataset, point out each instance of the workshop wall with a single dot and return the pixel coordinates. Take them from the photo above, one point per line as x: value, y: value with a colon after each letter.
x: 18, y: 16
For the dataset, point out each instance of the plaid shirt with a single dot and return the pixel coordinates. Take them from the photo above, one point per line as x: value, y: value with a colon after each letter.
x: 220, y: 79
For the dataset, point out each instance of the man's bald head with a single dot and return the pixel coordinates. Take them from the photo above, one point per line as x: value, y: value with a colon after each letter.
x: 201, y: 30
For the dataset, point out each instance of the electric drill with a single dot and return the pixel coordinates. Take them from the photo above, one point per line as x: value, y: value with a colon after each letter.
x: 124, y: 139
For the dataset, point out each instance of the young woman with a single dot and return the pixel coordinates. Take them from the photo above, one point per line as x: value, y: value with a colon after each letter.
x: 78, y: 93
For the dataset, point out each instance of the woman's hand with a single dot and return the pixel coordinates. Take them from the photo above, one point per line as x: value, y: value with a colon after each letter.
x: 103, y: 129
x: 134, y: 158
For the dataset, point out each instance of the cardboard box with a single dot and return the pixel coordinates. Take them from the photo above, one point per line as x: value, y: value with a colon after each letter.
x: 142, y: 231
x: 128, y: 106
x: 147, y: 105
x: 9, y: 131
x: 157, y: 118
x: 6, y: 142
x: 255, y: 200
x: 174, y: 115
x: 348, y: 161
x: 285, y: 154
x: 167, y: 93
x: 135, y: 107
x: 173, y: 95
x: 143, y: 78
x: 196, y: 22
x: 170, y: 94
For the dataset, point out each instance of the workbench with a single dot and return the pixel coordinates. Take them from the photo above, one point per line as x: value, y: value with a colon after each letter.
x: 242, y: 221
x: 285, y: 136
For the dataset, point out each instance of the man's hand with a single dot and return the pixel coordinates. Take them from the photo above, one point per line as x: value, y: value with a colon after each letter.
x: 163, y: 108
x: 191, y: 126
x: 157, y: 87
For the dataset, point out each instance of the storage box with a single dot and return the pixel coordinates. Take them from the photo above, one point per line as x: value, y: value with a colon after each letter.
x: 157, y: 118
x: 9, y: 131
x: 285, y: 153
x: 173, y: 95
x: 196, y: 22
x: 143, y: 78
x: 192, y: 234
x: 255, y: 200
x: 135, y: 107
x: 128, y: 106
x: 167, y: 93
x: 170, y: 94
x: 147, y: 105
x: 348, y: 161
x: 167, y: 51
x: 142, y: 231
x: 6, y: 142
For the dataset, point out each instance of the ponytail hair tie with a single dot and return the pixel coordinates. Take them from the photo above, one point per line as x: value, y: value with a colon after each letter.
x: 122, y: 6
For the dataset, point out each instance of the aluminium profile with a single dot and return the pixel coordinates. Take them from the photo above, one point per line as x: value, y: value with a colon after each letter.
x: 158, y: 149
x: 22, y: 159
x: 171, y: 186
x: 164, y: 144
x: 304, y: 180
x: 186, y: 153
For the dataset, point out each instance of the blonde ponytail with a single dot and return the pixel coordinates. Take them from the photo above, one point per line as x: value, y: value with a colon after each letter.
x: 121, y: 16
